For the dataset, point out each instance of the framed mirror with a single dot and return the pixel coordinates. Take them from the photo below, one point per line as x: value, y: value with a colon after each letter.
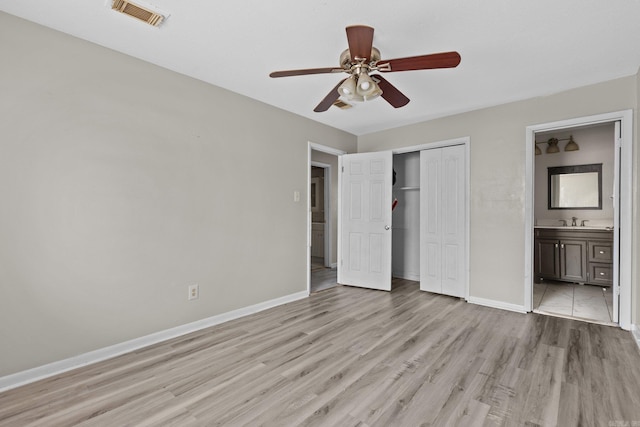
x: 575, y: 187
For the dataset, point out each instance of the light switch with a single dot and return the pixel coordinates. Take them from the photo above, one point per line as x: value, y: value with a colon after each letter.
x: 296, y: 196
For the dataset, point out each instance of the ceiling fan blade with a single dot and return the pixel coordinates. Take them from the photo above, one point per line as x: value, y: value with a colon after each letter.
x: 422, y: 62
x: 328, y: 100
x: 289, y: 73
x: 390, y: 93
x: 360, y: 38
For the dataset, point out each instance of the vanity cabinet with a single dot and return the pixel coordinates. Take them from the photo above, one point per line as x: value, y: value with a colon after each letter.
x: 582, y: 256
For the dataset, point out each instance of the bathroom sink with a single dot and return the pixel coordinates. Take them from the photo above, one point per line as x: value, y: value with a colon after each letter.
x: 569, y: 227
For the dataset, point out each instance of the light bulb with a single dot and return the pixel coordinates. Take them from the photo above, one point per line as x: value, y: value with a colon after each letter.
x: 348, y: 88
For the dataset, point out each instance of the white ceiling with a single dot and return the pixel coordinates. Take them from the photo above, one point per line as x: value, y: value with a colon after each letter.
x: 511, y: 49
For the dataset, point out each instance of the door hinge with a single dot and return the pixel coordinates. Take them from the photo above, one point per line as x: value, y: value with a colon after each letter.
x: 343, y: 169
x: 617, y: 288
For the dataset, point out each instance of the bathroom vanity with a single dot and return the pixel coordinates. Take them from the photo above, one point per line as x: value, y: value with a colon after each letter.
x: 574, y: 254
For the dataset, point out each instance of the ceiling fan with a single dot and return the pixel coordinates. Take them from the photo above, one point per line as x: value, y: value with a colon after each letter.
x: 361, y: 59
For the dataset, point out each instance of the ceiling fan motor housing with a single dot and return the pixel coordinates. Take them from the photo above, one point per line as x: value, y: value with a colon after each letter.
x: 346, y: 62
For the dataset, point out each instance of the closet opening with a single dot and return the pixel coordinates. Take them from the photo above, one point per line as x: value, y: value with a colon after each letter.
x: 430, y: 216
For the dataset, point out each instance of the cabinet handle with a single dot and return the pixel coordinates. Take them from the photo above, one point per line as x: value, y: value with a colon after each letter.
x: 601, y: 252
x: 562, y: 246
x: 602, y: 274
x: 556, y: 245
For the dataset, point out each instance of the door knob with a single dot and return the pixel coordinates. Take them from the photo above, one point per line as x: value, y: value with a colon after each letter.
x: 386, y: 227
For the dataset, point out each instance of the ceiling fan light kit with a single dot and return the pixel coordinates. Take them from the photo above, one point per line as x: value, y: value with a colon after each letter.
x: 348, y: 88
x: 360, y: 60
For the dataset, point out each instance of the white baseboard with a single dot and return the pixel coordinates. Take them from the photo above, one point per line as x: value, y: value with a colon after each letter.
x: 635, y: 331
x: 497, y: 304
x: 31, y: 375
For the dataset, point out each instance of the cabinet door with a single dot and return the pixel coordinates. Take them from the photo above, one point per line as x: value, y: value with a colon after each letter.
x: 547, y: 262
x: 573, y: 256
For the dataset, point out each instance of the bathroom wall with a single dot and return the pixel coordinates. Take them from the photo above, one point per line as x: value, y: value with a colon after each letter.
x: 596, y: 146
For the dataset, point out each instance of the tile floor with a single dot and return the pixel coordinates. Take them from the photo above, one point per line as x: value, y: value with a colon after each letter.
x: 584, y: 302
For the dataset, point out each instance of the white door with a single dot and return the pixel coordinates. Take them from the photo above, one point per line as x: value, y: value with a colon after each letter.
x: 365, y: 220
x: 615, y: 289
x: 442, y: 216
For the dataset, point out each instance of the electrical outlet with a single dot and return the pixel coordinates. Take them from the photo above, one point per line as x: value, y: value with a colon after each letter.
x: 194, y: 292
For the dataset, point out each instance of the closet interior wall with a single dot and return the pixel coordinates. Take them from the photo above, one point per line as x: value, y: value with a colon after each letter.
x: 406, y: 216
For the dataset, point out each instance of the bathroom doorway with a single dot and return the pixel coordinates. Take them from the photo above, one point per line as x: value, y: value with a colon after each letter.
x: 578, y: 262
x: 573, y: 223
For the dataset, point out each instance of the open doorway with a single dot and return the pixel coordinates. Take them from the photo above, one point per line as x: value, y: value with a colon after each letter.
x: 574, y: 208
x: 323, y: 223
x: 595, y: 258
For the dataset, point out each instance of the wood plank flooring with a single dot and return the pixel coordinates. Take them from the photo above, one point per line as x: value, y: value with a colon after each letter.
x: 353, y: 357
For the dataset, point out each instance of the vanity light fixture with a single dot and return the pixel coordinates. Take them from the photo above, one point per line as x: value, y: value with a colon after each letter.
x: 552, y: 145
x: 571, y: 145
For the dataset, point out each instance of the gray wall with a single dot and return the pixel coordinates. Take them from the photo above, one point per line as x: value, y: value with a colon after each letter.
x: 497, y: 152
x: 122, y: 183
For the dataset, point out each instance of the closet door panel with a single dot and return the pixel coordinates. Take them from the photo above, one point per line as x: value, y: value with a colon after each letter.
x: 453, y: 214
x: 430, y: 221
x: 443, y: 223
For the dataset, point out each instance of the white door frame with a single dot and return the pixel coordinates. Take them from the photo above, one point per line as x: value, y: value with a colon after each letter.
x: 326, y: 195
x: 329, y: 150
x: 626, y: 198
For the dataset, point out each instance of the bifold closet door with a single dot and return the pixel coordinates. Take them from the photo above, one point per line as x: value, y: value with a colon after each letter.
x: 442, y: 220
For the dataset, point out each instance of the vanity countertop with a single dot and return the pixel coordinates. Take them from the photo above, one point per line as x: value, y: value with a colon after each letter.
x: 568, y: 227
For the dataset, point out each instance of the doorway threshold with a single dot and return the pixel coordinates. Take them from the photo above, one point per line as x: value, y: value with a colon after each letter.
x: 581, y: 319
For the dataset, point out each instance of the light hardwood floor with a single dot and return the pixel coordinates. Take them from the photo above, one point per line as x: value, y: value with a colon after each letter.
x: 354, y: 357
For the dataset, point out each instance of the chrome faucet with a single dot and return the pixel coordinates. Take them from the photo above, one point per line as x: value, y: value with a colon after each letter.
x: 582, y: 222
x: 573, y: 221
x: 564, y: 222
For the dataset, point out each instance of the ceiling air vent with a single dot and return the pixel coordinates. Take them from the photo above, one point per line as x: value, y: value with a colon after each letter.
x: 137, y: 11
x: 343, y: 105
